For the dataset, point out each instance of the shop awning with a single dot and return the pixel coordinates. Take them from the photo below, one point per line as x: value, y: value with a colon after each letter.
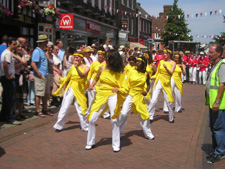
x: 135, y: 44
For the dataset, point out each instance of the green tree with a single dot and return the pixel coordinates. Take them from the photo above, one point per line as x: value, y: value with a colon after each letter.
x: 220, y: 39
x: 176, y: 26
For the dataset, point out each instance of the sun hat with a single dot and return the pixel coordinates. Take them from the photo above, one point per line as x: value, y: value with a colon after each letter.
x: 87, y: 49
x: 42, y: 38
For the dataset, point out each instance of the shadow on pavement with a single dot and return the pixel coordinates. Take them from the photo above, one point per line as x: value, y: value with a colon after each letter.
x: 163, y: 117
x: 2, y: 151
x: 207, y: 148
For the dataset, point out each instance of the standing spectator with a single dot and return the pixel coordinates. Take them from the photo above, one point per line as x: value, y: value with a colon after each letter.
x: 192, y: 69
x: 159, y: 57
x: 21, y: 84
x: 88, y: 59
x: 215, y: 98
x: 56, y: 58
x: 184, y: 61
x: 107, y: 46
x: 8, y: 83
x: 3, y: 46
x: 50, y: 72
x: 68, y: 58
x: 202, y: 68
x: 40, y: 67
x: 30, y: 94
x: 58, y: 70
x: 61, y: 52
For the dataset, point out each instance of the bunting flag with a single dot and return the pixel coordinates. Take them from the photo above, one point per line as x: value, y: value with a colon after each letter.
x: 188, y: 16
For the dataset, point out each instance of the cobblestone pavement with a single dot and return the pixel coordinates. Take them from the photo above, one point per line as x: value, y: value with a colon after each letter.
x: 181, y: 145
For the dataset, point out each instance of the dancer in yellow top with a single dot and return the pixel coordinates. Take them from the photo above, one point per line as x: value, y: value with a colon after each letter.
x: 176, y: 84
x: 109, y: 91
x: 91, y: 75
x: 130, y: 66
x: 75, y: 89
x: 162, y: 82
x: 150, y: 69
x: 134, y: 85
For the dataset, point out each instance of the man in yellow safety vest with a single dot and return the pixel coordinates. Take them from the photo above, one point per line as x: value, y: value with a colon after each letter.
x: 215, y: 98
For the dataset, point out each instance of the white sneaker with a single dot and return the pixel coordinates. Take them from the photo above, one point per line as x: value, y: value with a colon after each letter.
x: 116, y: 150
x: 89, y: 147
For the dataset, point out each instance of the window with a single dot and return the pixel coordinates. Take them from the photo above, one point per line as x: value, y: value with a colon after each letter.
x: 132, y: 4
x: 93, y: 3
x: 157, y: 36
x: 100, y: 4
x: 122, y: 2
x: 105, y: 5
x: 85, y: 1
x: 132, y: 26
x: 110, y: 7
x: 46, y: 3
x: 146, y: 29
x: 128, y: 3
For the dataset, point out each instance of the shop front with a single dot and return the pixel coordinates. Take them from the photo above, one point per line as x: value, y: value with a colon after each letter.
x: 85, y: 32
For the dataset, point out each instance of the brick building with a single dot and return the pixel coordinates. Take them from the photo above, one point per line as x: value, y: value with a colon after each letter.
x: 158, y: 25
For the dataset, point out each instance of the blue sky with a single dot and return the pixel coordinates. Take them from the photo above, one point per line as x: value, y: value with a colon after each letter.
x: 205, y: 25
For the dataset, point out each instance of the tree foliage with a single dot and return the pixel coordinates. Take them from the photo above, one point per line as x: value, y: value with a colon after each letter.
x: 220, y: 39
x: 175, y: 28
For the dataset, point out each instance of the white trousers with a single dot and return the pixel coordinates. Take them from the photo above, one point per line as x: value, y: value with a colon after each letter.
x: 91, y: 137
x: 145, y: 124
x: 91, y: 96
x: 63, y: 112
x: 177, y: 96
x: 154, y: 100
x: 192, y: 74
x: 202, y: 77
x: 183, y: 77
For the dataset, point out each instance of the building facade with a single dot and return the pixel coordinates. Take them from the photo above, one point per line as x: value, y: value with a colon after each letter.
x: 158, y: 24
x: 144, y: 27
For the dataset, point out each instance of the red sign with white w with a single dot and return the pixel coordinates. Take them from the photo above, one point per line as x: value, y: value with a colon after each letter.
x: 66, y: 21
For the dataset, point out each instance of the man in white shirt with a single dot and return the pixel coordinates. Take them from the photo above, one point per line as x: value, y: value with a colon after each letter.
x: 8, y: 83
x: 61, y: 51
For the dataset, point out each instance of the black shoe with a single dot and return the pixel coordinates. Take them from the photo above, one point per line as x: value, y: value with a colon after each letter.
x: 214, y: 158
x: 171, y: 121
x: 166, y: 112
x: 57, y: 130
x: 151, y: 121
x: 179, y: 111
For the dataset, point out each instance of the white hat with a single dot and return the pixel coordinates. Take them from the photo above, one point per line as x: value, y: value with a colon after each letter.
x: 50, y: 43
x: 121, y: 47
x: 201, y: 53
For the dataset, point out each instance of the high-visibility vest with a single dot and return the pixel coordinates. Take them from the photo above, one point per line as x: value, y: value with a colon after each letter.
x: 214, y: 86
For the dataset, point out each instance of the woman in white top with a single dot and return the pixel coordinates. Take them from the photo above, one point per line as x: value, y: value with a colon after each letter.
x: 107, y: 46
x: 68, y: 58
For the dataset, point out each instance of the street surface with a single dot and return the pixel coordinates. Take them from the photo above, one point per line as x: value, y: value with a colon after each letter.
x: 179, y: 145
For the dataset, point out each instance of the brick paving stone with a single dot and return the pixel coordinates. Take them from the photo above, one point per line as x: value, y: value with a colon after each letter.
x: 36, y: 145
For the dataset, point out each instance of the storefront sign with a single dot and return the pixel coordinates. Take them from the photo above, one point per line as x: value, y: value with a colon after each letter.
x: 66, y: 21
x: 132, y: 39
x: 93, y: 27
x: 124, y: 24
x: 141, y: 41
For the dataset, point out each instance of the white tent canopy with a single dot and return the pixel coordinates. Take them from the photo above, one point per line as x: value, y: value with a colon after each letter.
x: 136, y: 44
